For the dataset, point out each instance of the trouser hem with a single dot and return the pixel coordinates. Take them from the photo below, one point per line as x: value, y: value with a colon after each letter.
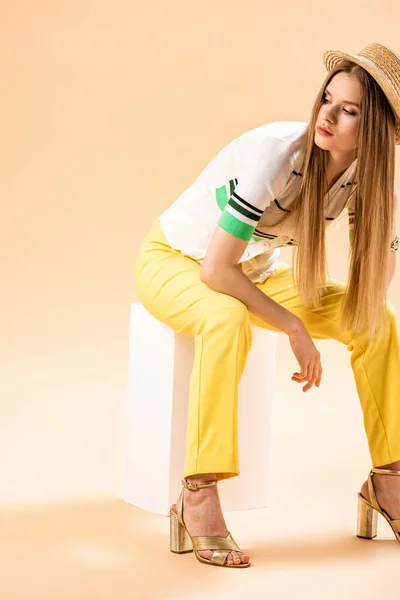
x: 224, y: 467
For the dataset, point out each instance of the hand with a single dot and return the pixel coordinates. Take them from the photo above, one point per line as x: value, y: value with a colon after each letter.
x: 308, y: 357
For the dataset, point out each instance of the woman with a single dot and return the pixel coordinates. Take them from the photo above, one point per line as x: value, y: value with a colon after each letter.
x: 209, y: 268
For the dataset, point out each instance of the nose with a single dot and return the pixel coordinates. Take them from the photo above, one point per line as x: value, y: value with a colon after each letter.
x: 329, y: 114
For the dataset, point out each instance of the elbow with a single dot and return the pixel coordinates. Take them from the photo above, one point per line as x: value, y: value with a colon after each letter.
x: 217, y: 278
x: 207, y: 274
x: 213, y: 276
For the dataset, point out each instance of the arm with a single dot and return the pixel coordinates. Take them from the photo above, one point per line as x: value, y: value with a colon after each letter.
x: 221, y: 272
x: 264, y: 173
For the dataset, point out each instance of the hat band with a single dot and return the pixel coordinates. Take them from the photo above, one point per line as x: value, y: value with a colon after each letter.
x: 371, y: 64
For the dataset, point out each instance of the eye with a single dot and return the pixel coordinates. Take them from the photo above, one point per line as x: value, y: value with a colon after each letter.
x: 325, y: 99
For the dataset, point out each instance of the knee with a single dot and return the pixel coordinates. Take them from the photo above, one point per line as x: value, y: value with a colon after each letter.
x: 232, y: 314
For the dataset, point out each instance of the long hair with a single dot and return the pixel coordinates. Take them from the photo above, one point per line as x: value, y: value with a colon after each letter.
x: 364, y: 306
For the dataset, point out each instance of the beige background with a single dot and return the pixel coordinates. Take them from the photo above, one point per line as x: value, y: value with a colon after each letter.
x: 109, y: 111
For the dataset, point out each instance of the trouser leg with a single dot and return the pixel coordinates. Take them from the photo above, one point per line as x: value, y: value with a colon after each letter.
x: 169, y: 286
x: 376, y: 365
x: 221, y: 349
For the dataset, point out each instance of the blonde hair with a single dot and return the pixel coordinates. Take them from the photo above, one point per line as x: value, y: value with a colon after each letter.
x: 364, y: 307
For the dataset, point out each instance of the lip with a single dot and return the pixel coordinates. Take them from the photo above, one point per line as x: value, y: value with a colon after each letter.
x: 323, y: 131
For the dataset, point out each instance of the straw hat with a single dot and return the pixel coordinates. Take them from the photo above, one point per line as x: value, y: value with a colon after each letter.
x: 384, y: 66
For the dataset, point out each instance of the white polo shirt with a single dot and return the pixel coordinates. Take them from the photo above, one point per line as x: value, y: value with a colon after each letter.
x: 244, y: 190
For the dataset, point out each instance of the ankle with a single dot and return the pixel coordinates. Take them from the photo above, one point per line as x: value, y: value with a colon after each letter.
x: 201, y: 477
x: 394, y: 466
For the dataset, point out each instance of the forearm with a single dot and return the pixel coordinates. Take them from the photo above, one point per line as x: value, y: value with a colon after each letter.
x: 232, y: 281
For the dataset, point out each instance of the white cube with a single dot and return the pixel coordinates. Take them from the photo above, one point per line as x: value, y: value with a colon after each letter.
x: 160, y: 365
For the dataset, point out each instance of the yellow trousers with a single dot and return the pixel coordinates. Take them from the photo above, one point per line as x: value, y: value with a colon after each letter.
x: 169, y: 286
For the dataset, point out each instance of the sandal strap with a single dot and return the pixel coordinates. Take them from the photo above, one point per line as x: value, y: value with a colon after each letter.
x: 371, y: 491
x: 212, y: 542
x: 371, y: 487
x: 396, y: 525
x: 219, y: 557
x: 194, y: 485
x: 385, y: 471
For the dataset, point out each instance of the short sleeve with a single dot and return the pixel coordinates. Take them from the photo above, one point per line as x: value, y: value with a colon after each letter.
x: 264, y: 174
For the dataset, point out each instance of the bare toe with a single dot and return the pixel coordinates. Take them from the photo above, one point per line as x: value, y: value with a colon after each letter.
x: 236, y: 558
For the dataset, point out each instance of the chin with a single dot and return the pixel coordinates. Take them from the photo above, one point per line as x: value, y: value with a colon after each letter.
x: 321, y: 141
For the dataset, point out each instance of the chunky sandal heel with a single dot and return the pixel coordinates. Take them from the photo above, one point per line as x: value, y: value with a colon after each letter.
x: 367, y: 520
x: 181, y: 541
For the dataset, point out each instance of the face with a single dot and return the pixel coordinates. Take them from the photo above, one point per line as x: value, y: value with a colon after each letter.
x: 338, y: 115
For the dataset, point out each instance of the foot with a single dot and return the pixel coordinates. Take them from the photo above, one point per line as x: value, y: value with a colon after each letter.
x: 387, y: 490
x: 202, y: 514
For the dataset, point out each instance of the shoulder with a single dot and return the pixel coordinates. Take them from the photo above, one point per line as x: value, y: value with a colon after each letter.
x: 275, y: 144
x: 276, y: 133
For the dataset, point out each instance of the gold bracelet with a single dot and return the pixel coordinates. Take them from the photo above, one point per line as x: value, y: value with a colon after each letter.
x: 395, y: 244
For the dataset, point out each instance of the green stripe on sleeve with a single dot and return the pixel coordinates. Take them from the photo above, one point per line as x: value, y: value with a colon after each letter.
x: 237, y: 228
x: 221, y: 197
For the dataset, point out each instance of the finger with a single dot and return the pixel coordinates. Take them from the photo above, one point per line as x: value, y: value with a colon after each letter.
x: 308, y: 377
x: 310, y: 370
x: 319, y: 377
x: 297, y: 377
x: 303, y: 372
x: 313, y: 377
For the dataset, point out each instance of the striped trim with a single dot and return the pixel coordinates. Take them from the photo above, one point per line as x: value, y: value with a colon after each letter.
x: 280, y: 207
x: 232, y: 185
x: 351, y: 215
x: 285, y: 210
x: 221, y: 196
x: 243, y: 211
x: 221, y: 193
x: 240, y: 216
x: 296, y: 173
x: 235, y: 226
x: 268, y: 236
x: 254, y: 208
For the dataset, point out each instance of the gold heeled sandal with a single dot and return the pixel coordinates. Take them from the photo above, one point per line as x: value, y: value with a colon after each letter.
x: 181, y: 541
x: 367, y: 520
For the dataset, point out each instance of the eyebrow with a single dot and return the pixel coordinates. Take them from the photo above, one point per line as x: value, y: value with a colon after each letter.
x: 345, y: 101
